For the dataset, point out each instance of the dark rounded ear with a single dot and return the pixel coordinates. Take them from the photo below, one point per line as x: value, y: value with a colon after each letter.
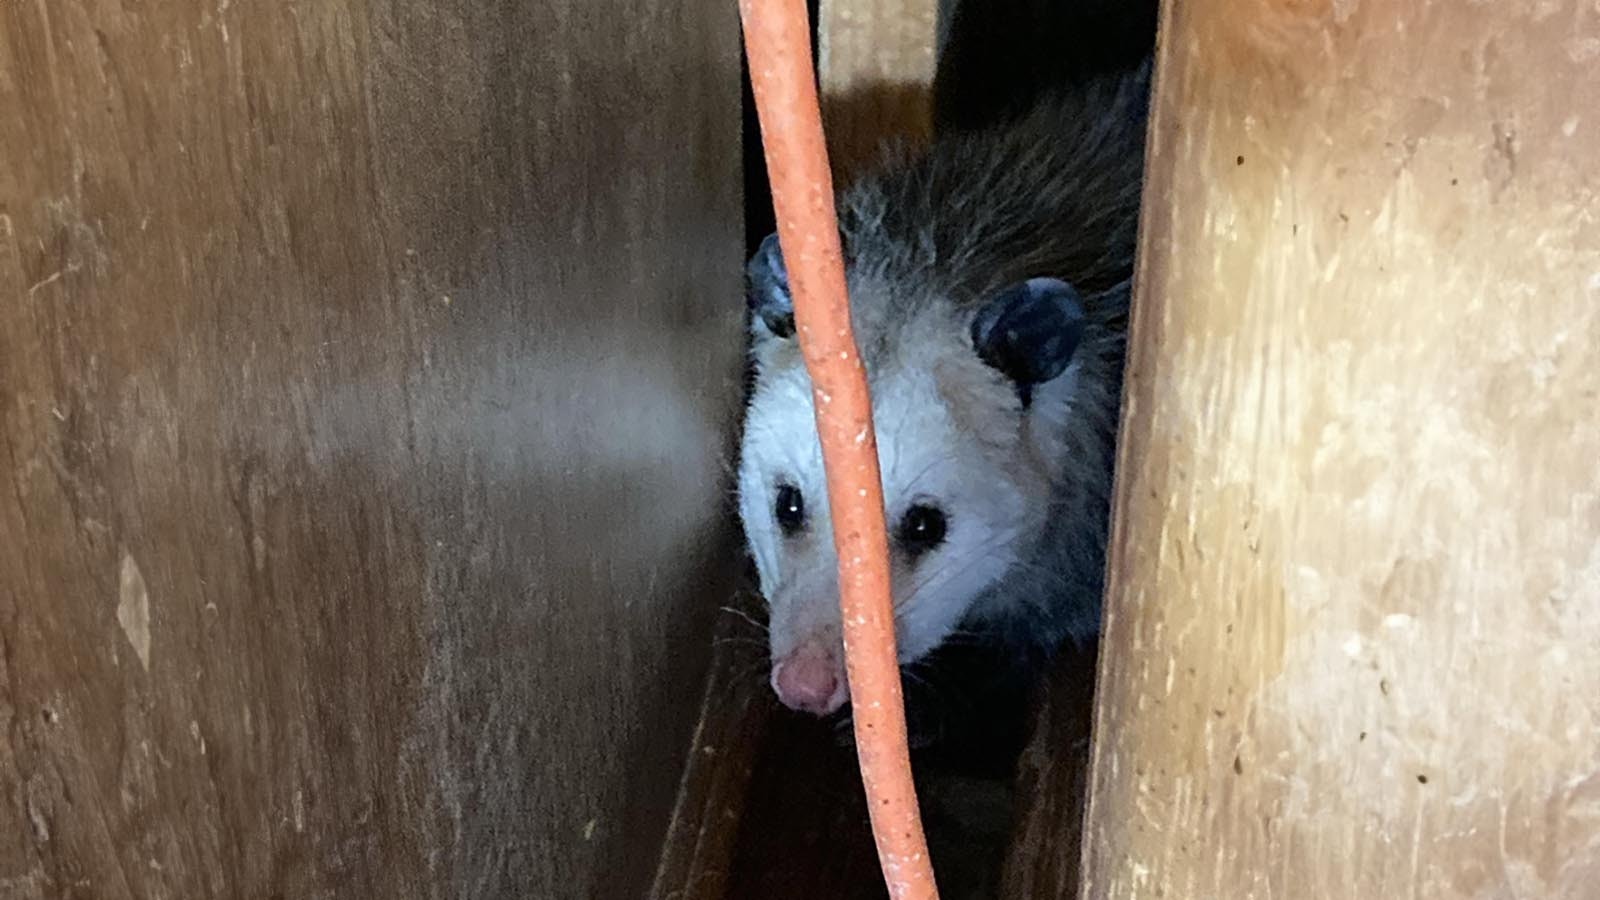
x: 767, y: 288
x: 1029, y: 331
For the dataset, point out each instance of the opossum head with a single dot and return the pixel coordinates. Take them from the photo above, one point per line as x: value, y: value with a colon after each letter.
x: 971, y: 403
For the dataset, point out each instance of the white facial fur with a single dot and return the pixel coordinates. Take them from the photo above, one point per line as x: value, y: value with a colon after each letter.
x: 950, y: 434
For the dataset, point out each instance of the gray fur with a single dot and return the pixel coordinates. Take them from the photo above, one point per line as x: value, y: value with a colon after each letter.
x: 936, y: 245
x: 1055, y: 193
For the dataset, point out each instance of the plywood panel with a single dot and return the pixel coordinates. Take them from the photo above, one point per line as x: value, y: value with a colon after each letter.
x: 1355, y: 584
x: 365, y: 372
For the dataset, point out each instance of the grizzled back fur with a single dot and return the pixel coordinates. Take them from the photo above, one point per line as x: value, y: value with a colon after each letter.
x: 1054, y: 192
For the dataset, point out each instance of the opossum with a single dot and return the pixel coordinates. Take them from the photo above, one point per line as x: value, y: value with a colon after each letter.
x: 989, y: 281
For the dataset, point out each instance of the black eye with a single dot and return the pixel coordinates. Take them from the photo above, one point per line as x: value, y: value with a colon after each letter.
x: 790, y: 508
x: 921, y: 529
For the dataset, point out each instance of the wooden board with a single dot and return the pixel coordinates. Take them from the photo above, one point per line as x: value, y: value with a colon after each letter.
x: 365, y: 374
x: 875, y: 63
x: 1355, y: 574
x: 1042, y: 859
x: 714, y: 797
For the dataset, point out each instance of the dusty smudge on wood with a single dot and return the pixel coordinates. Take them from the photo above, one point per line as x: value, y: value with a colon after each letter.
x: 365, y: 374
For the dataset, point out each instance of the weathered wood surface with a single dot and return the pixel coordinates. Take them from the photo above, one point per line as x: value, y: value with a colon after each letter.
x: 875, y: 68
x: 1052, y: 787
x: 1355, y: 577
x: 364, y: 378
x: 713, y: 804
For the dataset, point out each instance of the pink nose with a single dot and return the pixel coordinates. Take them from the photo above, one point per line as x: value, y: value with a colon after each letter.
x: 809, y: 680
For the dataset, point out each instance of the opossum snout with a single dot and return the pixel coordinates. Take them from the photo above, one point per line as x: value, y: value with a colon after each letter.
x: 811, y: 679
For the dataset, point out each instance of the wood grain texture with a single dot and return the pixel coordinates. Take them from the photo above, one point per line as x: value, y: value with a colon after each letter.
x: 1042, y: 859
x: 1355, y: 579
x: 875, y: 63
x: 365, y: 374
x: 712, y: 807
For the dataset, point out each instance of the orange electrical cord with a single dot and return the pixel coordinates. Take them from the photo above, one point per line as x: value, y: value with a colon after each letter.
x: 777, y: 39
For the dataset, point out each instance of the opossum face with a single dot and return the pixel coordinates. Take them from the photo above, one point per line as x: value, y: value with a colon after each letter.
x: 967, y: 445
